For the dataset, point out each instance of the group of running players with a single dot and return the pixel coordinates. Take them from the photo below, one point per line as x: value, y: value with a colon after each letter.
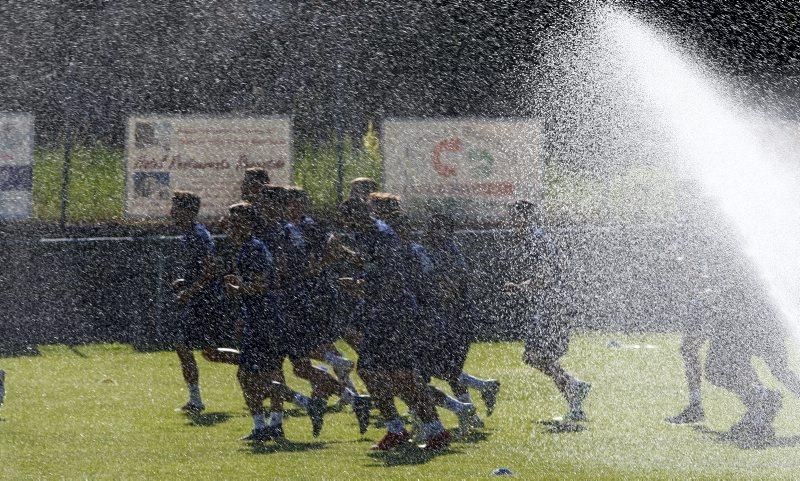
x: 287, y: 287
x: 283, y: 286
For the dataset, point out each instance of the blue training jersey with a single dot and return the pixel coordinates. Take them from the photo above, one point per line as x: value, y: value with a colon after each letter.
x: 196, y: 245
x: 195, y: 248
x: 252, y: 261
x: 294, y: 253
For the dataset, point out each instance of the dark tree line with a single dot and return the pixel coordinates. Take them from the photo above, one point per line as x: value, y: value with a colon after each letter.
x: 90, y: 63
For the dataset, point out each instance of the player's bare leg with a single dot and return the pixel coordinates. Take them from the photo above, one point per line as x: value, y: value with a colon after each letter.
x: 573, y: 389
x: 464, y: 410
x: 489, y: 388
x: 778, y: 363
x: 379, y: 386
x: 2, y: 386
x: 342, y: 367
x: 731, y: 369
x: 314, y: 406
x: 192, y: 377
x: 690, y: 352
x: 256, y: 387
x: 416, y: 394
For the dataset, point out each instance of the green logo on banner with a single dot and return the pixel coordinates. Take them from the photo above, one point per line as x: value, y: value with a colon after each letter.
x: 481, y: 162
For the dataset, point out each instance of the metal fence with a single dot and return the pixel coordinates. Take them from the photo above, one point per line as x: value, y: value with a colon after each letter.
x: 114, y: 289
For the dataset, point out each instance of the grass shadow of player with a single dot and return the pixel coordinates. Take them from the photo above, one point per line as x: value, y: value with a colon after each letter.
x: 474, y: 437
x: 284, y: 446
x: 207, y: 419
x: 406, y: 456
x: 19, y: 350
x: 748, y: 442
x: 553, y: 426
x: 77, y: 352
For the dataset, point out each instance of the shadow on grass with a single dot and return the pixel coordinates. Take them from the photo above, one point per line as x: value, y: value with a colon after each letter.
x: 77, y: 352
x: 474, y: 437
x: 19, y: 351
x: 208, y: 419
x: 284, y: 447
x: 406, y: 456
x: 750, y: 442
x: 560, y: 427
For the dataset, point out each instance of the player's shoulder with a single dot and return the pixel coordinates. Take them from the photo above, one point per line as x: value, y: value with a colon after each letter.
x: 383, y: 228
x: 201, y: 233
x: 418, y: 249
x: 454, y: 246
x: 200, y: 230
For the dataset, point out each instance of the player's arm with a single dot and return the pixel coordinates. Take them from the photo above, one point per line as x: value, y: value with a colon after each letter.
x: 353, y: 285
x: 186, y: 293
x: 337, y: 250
x: 250, y: 285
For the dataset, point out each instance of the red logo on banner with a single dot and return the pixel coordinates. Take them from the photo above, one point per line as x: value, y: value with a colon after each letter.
x: 449, y: 145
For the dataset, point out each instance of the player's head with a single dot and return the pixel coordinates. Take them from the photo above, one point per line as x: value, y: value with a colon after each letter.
x: 354, y: 215
x: 241, y: 219
x: 361, y: 188
x: 296, y: 202
x: 385, y: 206
x: 185, y: 207
x: 523, y: 213
x: 270, y: 201
x: 255, y: 178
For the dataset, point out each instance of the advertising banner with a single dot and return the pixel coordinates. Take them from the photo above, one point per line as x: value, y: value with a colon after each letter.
x: 204, y: 155
x: 16, y: 164
x: 477, y: 166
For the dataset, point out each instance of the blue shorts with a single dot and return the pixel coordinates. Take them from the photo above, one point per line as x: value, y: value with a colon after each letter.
x: 206, y: 323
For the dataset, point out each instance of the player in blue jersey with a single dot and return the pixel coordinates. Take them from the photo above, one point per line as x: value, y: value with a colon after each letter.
x: 306, y: 335
x: 456, y: 327
x: 198, y: 292
x: 322, y: 316
x: 735, y: 336
x: 433, y: 350
x: 387, y: 353
x: 535, y: 282
x: 253, y: 283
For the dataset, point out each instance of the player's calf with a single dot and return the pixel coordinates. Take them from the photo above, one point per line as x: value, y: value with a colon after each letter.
x: 488, y: 388
x: 191, y: 376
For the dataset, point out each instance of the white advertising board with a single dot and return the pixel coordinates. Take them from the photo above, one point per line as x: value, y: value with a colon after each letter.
x: 16, y: 161
x: 478, y: 165
x: 204, y: 155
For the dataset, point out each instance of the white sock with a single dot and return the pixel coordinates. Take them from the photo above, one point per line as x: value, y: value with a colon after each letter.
x: 301, y: 400
x: 432, y: 428
x: 337, y: 361
x: 348, y: 395
x: 194, y: 394
x: 454, y: 405
x: 472, y: 381
x: 275, y: 419
x: 259, y: 421
x: 395, y: 426
x: 694, y: 397
x: 465, y: 398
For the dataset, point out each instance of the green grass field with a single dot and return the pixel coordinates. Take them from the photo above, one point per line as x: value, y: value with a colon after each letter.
x: 106, y: 412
